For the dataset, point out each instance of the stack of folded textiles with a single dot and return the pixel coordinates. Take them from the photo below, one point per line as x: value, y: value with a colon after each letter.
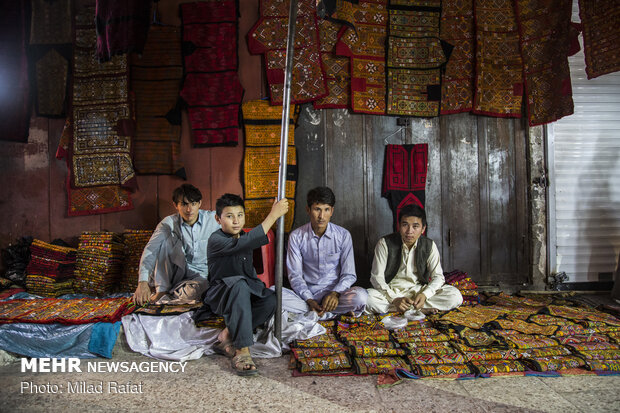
x: 50, y: 270
x: 322, y: 354
x: 99, y: 260
x: 430, y: 352
x: 135, y: 241
x: 467, y: 286
x: 370, y: 345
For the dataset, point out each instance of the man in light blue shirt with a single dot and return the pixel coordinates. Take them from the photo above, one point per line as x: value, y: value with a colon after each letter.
x: 177, y: 250
x: 321, y: 268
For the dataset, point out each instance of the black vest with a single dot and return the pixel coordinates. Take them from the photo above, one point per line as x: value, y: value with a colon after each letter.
x: 395, y: 250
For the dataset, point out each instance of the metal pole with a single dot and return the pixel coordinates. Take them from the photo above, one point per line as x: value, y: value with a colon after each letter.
x: 286, y: 105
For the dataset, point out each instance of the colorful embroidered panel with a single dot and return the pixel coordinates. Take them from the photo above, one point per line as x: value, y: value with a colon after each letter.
x: 430, y: 370
x: 524, y: 341
x: 300, y: 353
x: 269, y: 36
x: 98, y: 262
x: 611, y: 354
x: 554, y: 363
x: 121, y: 27
x: 473, y: 317
x: 375, y: 349
x: 499, y: 68
x: 263, y: 125
x: 430, y: 358
x: 600, y: 20
x: 544, y: 28
x: 156, y: 77
x: 69, y: 311
x: 545, y: 352
x: 135, y: 241
x: 101, y: 148
x: 365, y: 46
x: 439, y: 350
x: 603, y: 365
x: 324, y: 340
x: 378, y: 365
x: 211, y: 87
x: 50, y: 270
x: 404, y: 177
x: 414, y: 56
x: 481, y: 355
x: 525, y: 327
x: 336, y: 68
x: 457, y: 29
x: 504, y: 366
x: 334, y: 362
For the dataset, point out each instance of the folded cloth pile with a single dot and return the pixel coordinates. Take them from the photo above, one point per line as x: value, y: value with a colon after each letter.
x: 98, y: 264
x: 51, y: 268
x: 135, y: 241
x: 467, y: 286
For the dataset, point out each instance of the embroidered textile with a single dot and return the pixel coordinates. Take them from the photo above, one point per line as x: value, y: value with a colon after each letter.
x: 601, y: 39
x: 545, y: 352
x: 135, y: 241
x: 365, y: 46
x: 50, y: 22
x: 423, y: 344
x: 604, y: 365
x: 431, y: 358
x: 504, y: 366
x: 167, y: 309
x: 269, y: 36
x: 334, y: 362
x: 430, y: 370
x: 211, y: 87
x: 263, y: 125
x: 14, y: 86
x: 121, y: 26
x: 525, y: 327
x: 300, y: 353
x: 481, y: 355
x: 324, y: 340
x: 473, y: 317
x: 499, y: 68
x: 98, y: 262
x: 404, y: 177
x: 337, y: 69
x: 378, y: 365
x: 581, y: 338
x: 611, y: 354
x: 574, y: 313
x: 477, y: 338
x: 375, y: 349
x: 101, y: 147
x: 457, y: 83
x: 156, y: 78
x: 414, y: 332
x: 594, y: 346
x: 439, y: 350
x: 545, y: 31
x: 414, y: 56
x: 554, y: 363
x: 50, y: 270
x: 548, y: 320
x: 524, y: 341
x: 69, y: 311
x: 212, y: 322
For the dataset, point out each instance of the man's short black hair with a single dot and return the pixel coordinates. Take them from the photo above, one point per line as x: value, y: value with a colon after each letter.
x: 227, y: 200
x: 186, y: 191
x: 412, y: 210
x: 321, y: 195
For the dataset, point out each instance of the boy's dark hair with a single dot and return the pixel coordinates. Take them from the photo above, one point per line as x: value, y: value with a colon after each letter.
x: 412, y: 210
x: 321, y: 195
x: 186, y: 191
x: 227, y: 200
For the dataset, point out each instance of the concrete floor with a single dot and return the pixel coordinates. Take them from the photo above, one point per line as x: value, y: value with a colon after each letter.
x: 208, y: 385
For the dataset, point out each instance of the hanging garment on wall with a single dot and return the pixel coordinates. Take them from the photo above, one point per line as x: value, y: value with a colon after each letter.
x: 365, y: 47
x: 122, y: 26
x: 156, y: 78
x: 263, y: 125
x: 14, y: 87
x: 101, y: 146
x: 211, y: 87
x: 457, y: 83
x: 415, y: 55
x: 600, y: 20
x: 336, y: 69
x: 269, y: 37
x: 49, y: 54
x: 499, y: 68
x: 92, y: 200
x: 545, y: 38
x: 404, y: 176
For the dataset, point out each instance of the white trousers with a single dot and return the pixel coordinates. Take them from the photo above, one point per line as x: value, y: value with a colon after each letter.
x: 446, y: 298
x: 351, y: 300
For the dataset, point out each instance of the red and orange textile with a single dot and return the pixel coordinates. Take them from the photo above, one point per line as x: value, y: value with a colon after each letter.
x: 211, y: 88
x: 467, y: 286
x: 14, y: 85
x: 122, y: 26
x: 378, y: 365
x: 545, y: 30
x: 600, y: 20
x: 156, y: 77
x: 269, y: 36
x: 98, y: 264
x: 404, y: 177
x: 261, y: 161
x: 65, y: 311
x: 366, y: 47
x: 499, y: 67
x: 336, y: 68
x: 438, y: 370
x: 51, y: 268
x: 457, y: 82
x: 415, y: 54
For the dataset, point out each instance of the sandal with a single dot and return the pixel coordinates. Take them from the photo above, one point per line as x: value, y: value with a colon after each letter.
x: 225, y: 348
x: 239, y: 362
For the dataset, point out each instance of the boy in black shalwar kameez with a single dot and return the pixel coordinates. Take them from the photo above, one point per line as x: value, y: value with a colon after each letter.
x: 235, y: 292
